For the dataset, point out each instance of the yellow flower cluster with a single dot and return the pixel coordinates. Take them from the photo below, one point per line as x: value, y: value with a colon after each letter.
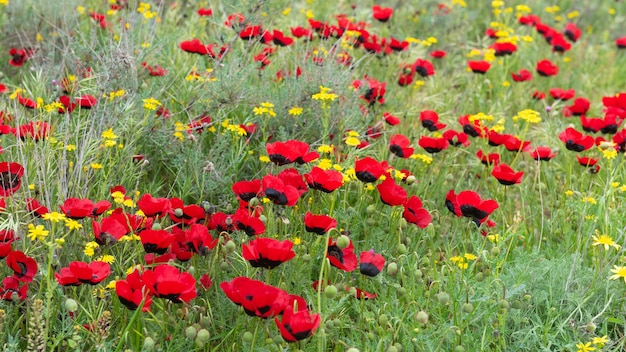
x: 463, y: 261
x: 144, y: 8
x: 528, y: 115
x: 151, y: 104
x: 108, y: 138
x: 324, y: 94
x: 265, y: 108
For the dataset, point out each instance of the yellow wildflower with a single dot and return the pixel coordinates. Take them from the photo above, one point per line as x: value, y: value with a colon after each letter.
x: 37, y: 233
x: 53, y: 216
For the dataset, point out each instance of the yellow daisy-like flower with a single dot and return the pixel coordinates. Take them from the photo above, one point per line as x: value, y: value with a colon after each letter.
x: 72, y: 224
x: 96, y: 166
x: 90, y: 248
x: 151, y: 104
x: 53, y: 216
x: 325, y: 164
x: 108, y: 134
x: 619, y: 272
x: 37, y: 232
x: 606, y: 241
x: 325, y: 148
x: 352, y: 141
x: 295, y: 111
x: 600, y: 341
x: 584, y: 347
x: 109, y: 259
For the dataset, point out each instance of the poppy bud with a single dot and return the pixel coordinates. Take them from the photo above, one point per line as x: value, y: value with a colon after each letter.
x: 330, y: 291
x: 443, y: 298
x: 370, y: 209
x: 392, y: 269
x: 401, y: 248
x: 253, y: 202
x: 178, y: 212
x: 248, y: 337
x: 421, y: 317
x: 503, y: 304
x: 343, y: 241
x: 156, y: 226
x: 148, y: 344
x: 203, y: 335
x: 71, y: 305
x: 459, y: 348
x: 230, y: 246
x: 590, y: 327
x: 191, y: 332
x: 410, y: 180
x: 468, y: 308
x: 495, y: 251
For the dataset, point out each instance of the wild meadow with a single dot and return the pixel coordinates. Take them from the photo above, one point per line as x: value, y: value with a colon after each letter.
x: 344, y: 175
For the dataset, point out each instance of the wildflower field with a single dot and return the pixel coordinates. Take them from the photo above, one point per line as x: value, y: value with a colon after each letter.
x: 312, y: 175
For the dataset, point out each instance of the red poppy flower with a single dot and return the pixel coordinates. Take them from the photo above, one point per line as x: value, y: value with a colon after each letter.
x: 234, y: 20
x: 560, y: 94
x: 168, y: 282
x: 537, y: 95
x: 10, y: 178
x: 503, y: 48
x: 375, y: 91
x: 514, y: 144
x: 414, y: 213
x: 301, y: 32
x: 488, y: 159
x: 430, y: 121
x: 319, y: 224
x: 390, y: 119
x: 438, y: 54
x: 280, y: 39
x: 400, y: 146
x: 559, y: 43
x: 20, y: 56
x: 505, y: 175
x: 194, y: 46
x: 620, y: 141
x: 256, y: 298
x: 456, y: 139
x: 529, y: 20
x: 609, y: 124
x: 7, y: 237
x: 205, y: 281
x: 110, y: 230
x: 86, y: 101
x: 572, y: 32
x: 278, y: 192
x: 479, y: 66
x: 546, y: 68
x: 132, y: 292
x: 27, y: 102
x: 298, y: 325
x: 250, y: 32
x: 406, y: 78
x: 100, y: 18
x: 324, y: 180
x: 360, y: 294
x: 578, y: 108
x: 371, y: 263
x: 433, y: 144
x: 78, y: 273
x: 267, y: 252
x: 291, y: 151
x: 496, y: 139
x: 542, y: 153
x: 11, y: 288
x: 155, y: 71
x: 35, y: 130
x: 586, y: 161
x: 522, y: 76
x: 382, y: 14
x: 186, y: 214
x: 291, y: 177
x: 205, y: 12
x: 621, y: 42
x: 391, y: 193
x: 343, y: 259
x: 471, y: 205
x: 424, y: 67
x: 156, y: 241
x: 196, y: 238
x: 397, y: 45
x: 575, y: 140
x: 153, y: 207
x: 24, y: 267
x: 369, y: 170
x: 247, y: 223
x: 68, y: 105
x: 472, y: 128
x: 75, y: 208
